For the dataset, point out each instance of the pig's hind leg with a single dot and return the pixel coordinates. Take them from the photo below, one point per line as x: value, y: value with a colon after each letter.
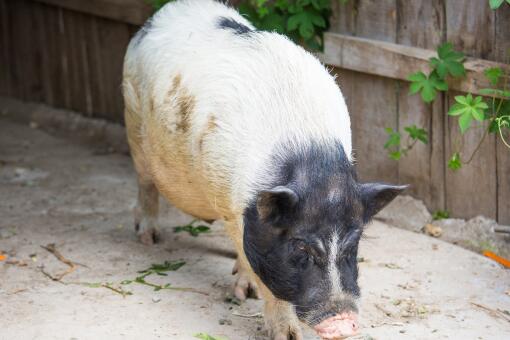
x: 146, y: 212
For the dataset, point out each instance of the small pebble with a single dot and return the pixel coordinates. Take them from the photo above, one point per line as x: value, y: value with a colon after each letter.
x: 225, y: 322
x: 156, y: 299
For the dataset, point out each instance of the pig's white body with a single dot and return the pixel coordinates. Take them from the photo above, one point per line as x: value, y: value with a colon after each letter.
x: 259, y: 88
x: 206, y: 106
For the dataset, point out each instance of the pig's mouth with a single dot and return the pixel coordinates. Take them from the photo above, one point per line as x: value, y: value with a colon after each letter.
x: 339, y: 326
x: 333, y: 324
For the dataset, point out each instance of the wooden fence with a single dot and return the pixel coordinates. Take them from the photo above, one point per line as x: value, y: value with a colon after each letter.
x: 68, y: 53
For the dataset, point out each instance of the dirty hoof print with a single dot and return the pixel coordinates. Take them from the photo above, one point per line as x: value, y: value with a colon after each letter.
x: 150, y: 237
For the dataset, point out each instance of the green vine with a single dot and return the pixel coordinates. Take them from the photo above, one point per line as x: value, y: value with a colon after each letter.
x: 491, y: 111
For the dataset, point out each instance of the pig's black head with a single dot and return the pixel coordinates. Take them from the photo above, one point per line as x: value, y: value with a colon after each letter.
x: 301, y: 234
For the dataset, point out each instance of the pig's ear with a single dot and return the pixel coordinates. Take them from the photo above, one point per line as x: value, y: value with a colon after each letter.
x: 376, y: 196
x: 276, y: 203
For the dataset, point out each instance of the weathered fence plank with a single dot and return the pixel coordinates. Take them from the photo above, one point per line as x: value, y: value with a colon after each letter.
x: 43, y: 41
x: 5, y: 70
x: 73, y: 23
x: 112, y: 43
x: 97, y: 86
x: 127, y: 11
x: 369, y: 118
x: 502, y: 54
x: 397, y: 61
x: 421, y: 24
x: 56, y: 83
x: 471, y: 190
x: 23, y: 74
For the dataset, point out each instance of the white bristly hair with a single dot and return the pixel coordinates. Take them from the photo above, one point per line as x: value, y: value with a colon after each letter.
x: 261, y: 88
x: 333, y: 272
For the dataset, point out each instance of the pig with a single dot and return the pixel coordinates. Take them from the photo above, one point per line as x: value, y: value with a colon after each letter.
x: 234, y: 124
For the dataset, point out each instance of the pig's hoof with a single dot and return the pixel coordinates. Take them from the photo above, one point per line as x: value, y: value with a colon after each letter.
x: 290, y: 335
x: 245, y: 286
x: 149, y: 236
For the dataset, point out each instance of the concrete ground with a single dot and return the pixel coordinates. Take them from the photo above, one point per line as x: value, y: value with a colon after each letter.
x: 55, y: 192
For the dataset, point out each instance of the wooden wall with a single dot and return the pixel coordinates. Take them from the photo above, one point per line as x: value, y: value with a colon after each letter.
x: 68, y: 53
x: 483, y: 186
x: 66, y: 58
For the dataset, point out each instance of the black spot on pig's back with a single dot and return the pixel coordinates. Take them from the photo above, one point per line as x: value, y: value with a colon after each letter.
x: 232, y: 24
x: 143, y: 31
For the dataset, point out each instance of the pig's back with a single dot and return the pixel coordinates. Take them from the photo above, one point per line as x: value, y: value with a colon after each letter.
x: 227, y: 95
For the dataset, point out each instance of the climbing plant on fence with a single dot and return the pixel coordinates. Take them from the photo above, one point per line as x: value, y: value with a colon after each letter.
x: 491, y: 111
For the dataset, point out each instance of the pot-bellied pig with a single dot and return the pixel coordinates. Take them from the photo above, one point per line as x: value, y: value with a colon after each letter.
x: 231, y: 123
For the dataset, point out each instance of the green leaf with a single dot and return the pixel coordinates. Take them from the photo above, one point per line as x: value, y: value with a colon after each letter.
x: 456, y: 109
x: 454, y: 163
x: 204, y: 336
x: 160, y: 269
x: 449, y: 62
x: 427, y: 85
x: 393, y: 138
x: 321, y: 4
x: 494, y: 127
x: 283, y: 5
x: 249, y: 11
x: 440, y: 215
x: 417, y: 77
x: 192, y: 230
x: 396, y: 155
x: 417, y: 133
x: 319, y: 21
x: 314, y: 43
x: 493, y: 74
x: 304, y: 22
x: 273, y: 22
x: 503, y: 122
x: 465, y: 122
x: 495, y: 3
x: 468, y: 108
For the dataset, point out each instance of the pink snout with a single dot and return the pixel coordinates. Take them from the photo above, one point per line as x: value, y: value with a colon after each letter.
x: 338, y: 327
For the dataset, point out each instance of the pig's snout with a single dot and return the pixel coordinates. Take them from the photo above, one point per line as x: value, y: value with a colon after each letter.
x: 338, y: 327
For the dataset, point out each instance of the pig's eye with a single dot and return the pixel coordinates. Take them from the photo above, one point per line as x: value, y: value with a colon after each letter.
x: 301, y: 254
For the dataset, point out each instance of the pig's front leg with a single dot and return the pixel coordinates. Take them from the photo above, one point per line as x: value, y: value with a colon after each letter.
x: 146, y: 212
x: 245, y: 281
x: 245, y: 285
x: 280, y: 318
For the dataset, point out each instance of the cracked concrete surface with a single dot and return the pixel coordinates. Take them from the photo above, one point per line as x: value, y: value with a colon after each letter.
x: 80, y: 199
